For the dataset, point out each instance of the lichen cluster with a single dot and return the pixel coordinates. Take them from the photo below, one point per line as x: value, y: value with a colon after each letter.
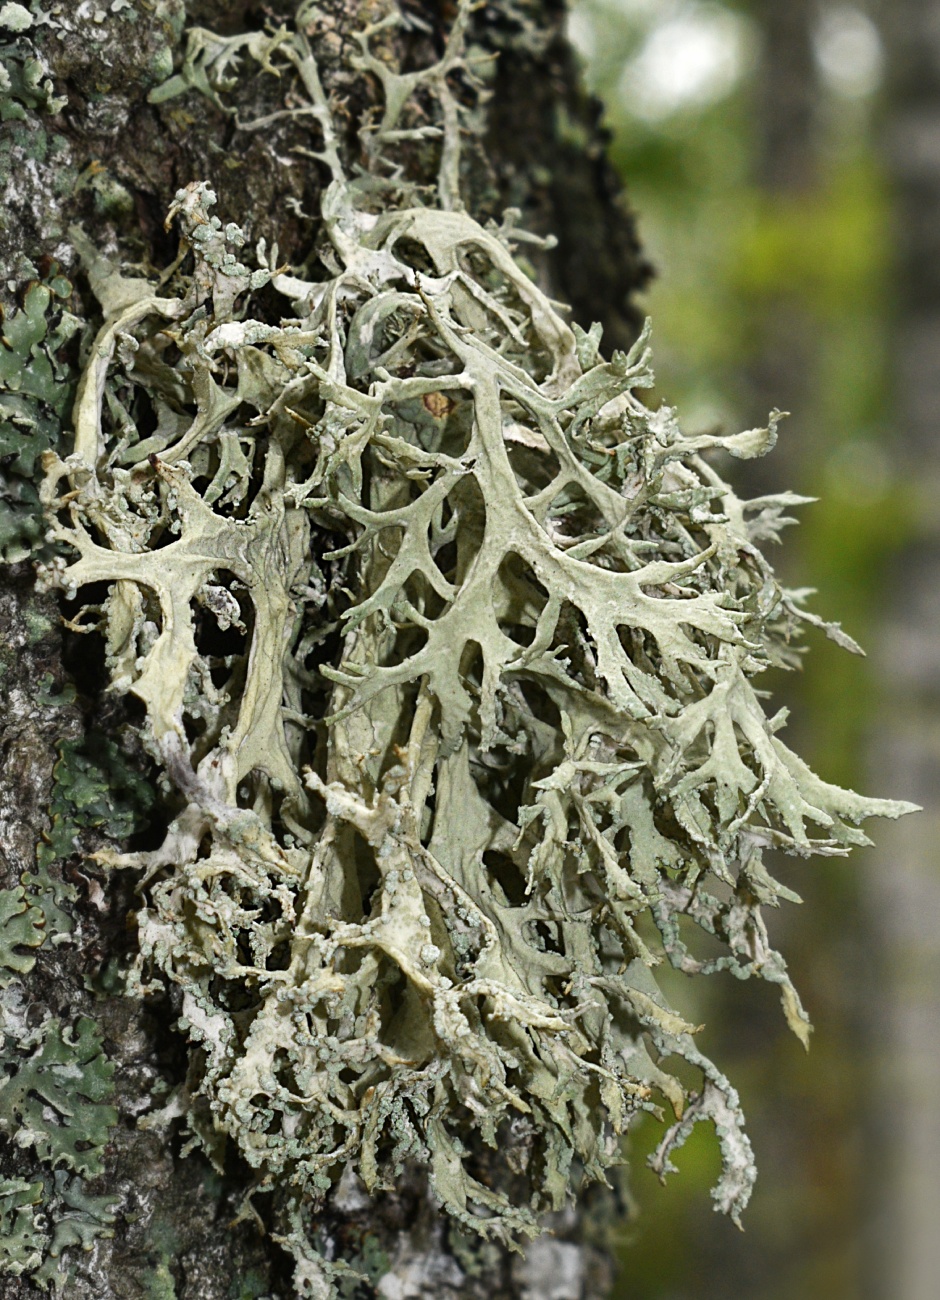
x: 447, y: 645
x: 56, y: 1083
x: 25, y: 82
x: 36, y: 391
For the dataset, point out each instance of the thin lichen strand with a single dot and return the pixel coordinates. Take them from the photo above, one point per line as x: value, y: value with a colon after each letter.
x: 447, y: 646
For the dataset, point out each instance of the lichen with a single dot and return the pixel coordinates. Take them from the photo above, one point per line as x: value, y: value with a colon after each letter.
x: 56, y: 1082
x: 25, y: 81
x: 36, y: 391
x: 55, y: 1087
x: 21, y: 930
x: 447, y: 644
x: 22, y: 1241
x: 94, y: 787
x: 78, y: 1220
x: 56, y: 1098
x: 28, y: 1210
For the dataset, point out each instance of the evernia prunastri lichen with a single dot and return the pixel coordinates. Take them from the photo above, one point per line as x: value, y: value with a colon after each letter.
x: 447, y: 645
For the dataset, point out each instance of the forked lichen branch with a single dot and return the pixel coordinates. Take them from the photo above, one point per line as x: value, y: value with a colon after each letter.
x: 447, y: 644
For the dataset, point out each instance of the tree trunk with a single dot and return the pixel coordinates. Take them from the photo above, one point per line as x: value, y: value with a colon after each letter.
x: 902, y: 885
x: 81, y: 143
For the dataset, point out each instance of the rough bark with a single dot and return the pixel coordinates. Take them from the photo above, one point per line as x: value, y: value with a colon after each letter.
x: 112, y: 161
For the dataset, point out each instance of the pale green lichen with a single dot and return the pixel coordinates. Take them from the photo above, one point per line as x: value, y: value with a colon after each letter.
x: 15, y: 18
x: 25, y: 81
x: 447, y: 644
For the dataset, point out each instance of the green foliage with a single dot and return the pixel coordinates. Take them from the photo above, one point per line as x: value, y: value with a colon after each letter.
x: 448, y: 646
x: 36, y: 390
x: 56, y: 1100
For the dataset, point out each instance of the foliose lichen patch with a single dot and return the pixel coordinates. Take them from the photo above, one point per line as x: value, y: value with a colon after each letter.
x: 36, y: 391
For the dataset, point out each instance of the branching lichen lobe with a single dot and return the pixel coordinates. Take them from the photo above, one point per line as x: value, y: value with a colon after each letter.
x: 447, y: 646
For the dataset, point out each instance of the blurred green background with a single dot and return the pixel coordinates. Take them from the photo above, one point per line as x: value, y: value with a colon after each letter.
x: 755, y: 140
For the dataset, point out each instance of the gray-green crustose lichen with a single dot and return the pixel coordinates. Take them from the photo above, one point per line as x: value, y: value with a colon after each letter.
x: 447, y: 645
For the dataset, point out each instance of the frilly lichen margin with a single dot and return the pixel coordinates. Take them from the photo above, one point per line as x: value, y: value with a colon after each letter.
x: 453, y: 785
x: 55, y: 1090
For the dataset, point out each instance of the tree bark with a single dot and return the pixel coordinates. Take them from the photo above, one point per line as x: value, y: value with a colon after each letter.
x: 903, y: 892
x: 86, y: 146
